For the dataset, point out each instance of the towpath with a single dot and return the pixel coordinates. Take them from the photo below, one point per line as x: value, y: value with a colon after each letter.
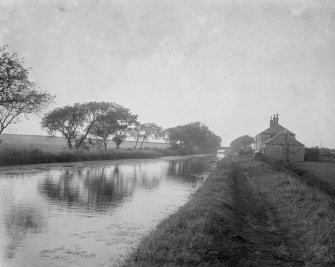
x: 265, y: 240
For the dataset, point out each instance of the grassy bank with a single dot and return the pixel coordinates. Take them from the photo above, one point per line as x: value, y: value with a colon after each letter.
x: 10, y: 157
x: 192, y: 235
x: 247, y: 213
x: 317, y: 174
x: 304, y: 214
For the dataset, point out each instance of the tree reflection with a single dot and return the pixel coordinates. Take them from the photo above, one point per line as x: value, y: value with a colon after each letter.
x: 20, y: 220
x: 63, y: 190
x: 187, y: 170
x: 111, y: 189
x: 146, y: 177
x: 182, y: 167
x: 93, y: 189
x: 100, y: 188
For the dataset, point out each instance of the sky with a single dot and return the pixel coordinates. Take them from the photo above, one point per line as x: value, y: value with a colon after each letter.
x: 230, y: 64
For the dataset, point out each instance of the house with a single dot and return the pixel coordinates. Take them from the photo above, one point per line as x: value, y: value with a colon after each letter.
x: 279, y: 143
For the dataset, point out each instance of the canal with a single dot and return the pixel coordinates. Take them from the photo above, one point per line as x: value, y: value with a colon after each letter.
x: 90, y: 214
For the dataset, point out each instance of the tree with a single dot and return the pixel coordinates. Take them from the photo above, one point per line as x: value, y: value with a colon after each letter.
x: 142, y: 132
x: 94, y: 111
x: 66, y: 120
x: 242, y: 144
x: 150, y: 131
x: 78, y: 121
x: 193, y: 137
x: 124, y: 126
x: 120, y: 135
x: 114, y: 122
x: 210, y: 143
x: 176, y: 135
x: 135, y: 132
x: 195, y: 133
x: 104, y: 128
x: 18, y: 95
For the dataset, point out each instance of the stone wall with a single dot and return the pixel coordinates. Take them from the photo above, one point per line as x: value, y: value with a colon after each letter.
x: 274, y: 152
x: 296, y: 153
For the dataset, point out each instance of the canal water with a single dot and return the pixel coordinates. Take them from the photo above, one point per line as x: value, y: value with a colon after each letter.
x: 90, y: 214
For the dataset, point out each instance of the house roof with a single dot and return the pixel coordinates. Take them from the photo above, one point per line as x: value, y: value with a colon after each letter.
x: 278, y: 139
x: 274, y: 129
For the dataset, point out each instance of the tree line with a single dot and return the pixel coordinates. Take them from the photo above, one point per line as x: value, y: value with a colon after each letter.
x: 109, y: 121
x: 102, y: 120
x: 87, y: 124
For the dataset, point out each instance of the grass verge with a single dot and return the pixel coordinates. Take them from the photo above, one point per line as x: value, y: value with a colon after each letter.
x: 193, y: 235
x: 305, y: 212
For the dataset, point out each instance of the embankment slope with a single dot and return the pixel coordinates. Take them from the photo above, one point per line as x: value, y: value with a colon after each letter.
x: 246, y: 214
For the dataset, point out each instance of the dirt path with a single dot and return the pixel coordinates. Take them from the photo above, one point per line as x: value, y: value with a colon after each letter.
x: 264, y: 239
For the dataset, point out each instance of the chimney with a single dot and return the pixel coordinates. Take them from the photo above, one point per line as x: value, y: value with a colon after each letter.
x: 277, y: 119
x: 274, y: 119
x: 271, y: 122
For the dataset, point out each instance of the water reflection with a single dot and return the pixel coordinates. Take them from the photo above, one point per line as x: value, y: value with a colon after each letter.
x: 62, y: 188
x: 99, y: 188
x: 20, y: 220
x: 102, y: 188
x: 186, y: 168
x: 116, y: 204
x: 94, y: 188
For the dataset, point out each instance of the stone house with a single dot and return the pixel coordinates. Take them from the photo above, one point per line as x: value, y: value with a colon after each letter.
x: 279, y: 143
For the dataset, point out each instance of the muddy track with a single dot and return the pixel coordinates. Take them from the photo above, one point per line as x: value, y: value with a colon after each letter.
x: 263, y: 238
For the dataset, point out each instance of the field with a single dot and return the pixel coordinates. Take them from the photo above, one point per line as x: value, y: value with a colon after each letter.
x: 322, y: 171
x: 33, y: 149
x: 58, y: 144
x: 327, y: 159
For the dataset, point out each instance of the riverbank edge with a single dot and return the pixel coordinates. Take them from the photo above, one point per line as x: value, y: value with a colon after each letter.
x: 192, y: 235
x: 215, y: 228
x: 15, y: 157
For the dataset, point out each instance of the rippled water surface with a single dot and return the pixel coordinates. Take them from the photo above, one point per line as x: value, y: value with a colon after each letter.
x: 90, y: 214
